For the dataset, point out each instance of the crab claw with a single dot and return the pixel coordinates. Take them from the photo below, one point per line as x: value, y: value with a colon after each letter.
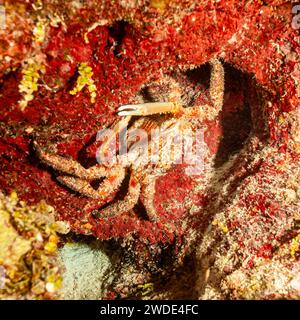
x: 146, y: 109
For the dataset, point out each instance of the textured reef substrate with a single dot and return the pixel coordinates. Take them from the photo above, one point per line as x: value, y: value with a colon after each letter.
x: 232, y: 232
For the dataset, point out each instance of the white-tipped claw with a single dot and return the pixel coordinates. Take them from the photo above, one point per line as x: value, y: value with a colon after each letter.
x: 128, y: 110
x: 145, y: 109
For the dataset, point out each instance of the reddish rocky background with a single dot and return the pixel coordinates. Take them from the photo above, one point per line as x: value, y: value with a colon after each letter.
x: 231, y: 233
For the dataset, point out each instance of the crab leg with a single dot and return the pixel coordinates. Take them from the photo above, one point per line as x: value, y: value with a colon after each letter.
x: 216, y: 87
x: 108, y: 185
x: 148, y: 187
x: 69, y: 166
x: 216, y: 91
x: 127, y: 203
x: 149, y: 108
x: 122, y: 124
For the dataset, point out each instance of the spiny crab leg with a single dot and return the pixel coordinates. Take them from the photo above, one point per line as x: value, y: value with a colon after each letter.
x: 111, y: 183
x: 69, y: 166
x: 149, y: 108
x: 216, y: 87
x: 148, y: 189
x: 127, y: 203
x: 122, y: 124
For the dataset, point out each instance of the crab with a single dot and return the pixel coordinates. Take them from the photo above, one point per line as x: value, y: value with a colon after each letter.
x: 170, y: 117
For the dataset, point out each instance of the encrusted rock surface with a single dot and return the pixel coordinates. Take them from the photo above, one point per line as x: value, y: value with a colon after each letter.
x: 240, y: 220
